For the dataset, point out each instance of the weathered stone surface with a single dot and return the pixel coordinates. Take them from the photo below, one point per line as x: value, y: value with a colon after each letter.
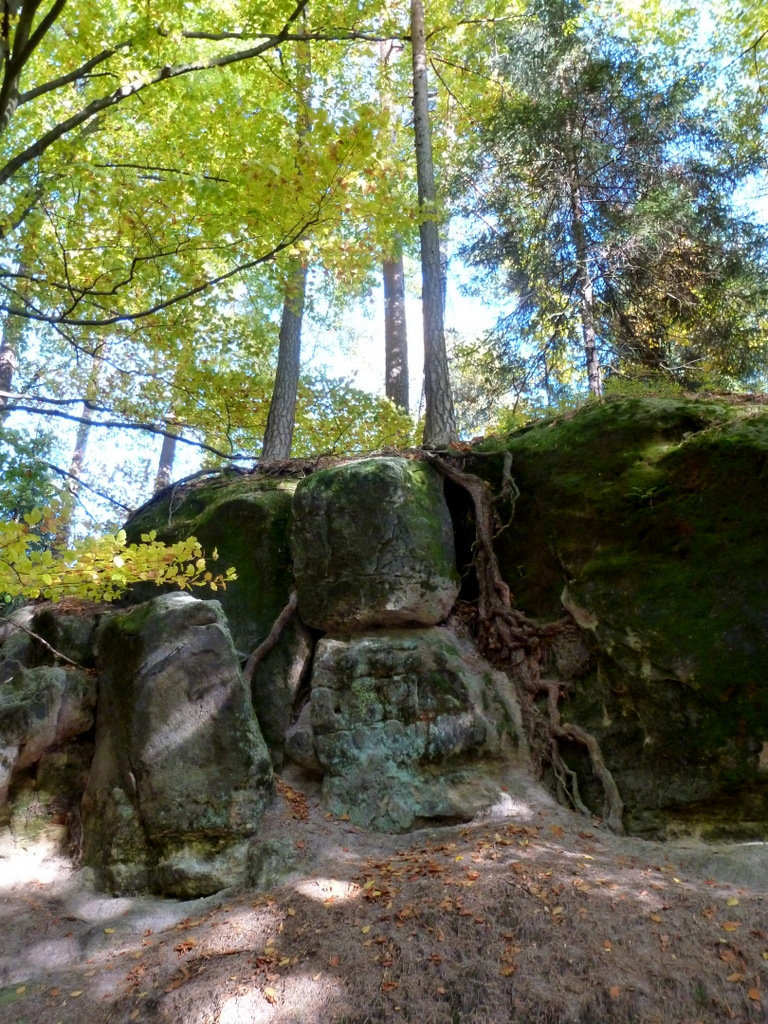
x: 410, y: 725
x: 246, y: 519
x: 181, y: 773
x: 68, y: 629
x: 647, y: 519
x: 45, y: 800
x: 275, y: 685
x: 39, y: 708
x: 300, y: 743
x: 373, y: 546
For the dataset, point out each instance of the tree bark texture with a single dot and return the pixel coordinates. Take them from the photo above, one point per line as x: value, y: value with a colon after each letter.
x: 167, y: 455
x: 395, y: 331
x: 585, y: 287
x: 278, y: 435
x: 13, y: 333
x: 440, y: 424
x: 64, y: 532
x: 8, y: 361
x: 393, y: 274
x: 281, y: 419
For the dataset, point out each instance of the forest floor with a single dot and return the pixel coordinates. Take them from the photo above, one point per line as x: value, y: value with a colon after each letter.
x: 534, y: 917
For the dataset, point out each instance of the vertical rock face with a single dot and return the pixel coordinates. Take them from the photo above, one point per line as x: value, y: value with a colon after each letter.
x: 373, y: 546
x: 181, y: 773
x: 407, y: 725
x: 652, y: 513
x: 40, y: 708
x: 276, y: 683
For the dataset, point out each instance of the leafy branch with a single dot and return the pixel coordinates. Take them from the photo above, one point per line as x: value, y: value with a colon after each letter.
x: 97, y: 569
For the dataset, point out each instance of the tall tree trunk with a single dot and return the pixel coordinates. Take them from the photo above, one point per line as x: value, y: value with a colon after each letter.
x: 585, y: 285
x: 395, y: 330
x: 167, y: 455
x: 281, y: 419
x: 9, y: 346
x: 440, y: 424
x: 64, y: 531
x: 13, y: 332
x: 393, y: 272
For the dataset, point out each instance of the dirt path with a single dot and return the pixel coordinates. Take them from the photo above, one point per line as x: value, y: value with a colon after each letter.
x: 533, y: 917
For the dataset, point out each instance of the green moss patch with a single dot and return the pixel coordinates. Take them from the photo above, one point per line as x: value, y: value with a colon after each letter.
x: 654, y: 513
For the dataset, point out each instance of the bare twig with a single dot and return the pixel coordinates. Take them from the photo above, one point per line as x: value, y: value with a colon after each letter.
x: 44, y: 642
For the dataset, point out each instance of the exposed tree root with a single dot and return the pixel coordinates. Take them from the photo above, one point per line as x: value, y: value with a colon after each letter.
x: 266, y: 645
x: 517, y: 644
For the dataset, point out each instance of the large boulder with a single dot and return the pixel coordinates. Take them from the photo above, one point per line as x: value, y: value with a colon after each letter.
x: 407, y: 726
x: 40, y: 708
x: 373, y: 546
x: 647, y: 519
x: 181, y: 773
x: 246, y: 520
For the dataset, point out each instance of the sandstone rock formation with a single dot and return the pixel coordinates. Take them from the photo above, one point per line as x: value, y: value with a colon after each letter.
x: 373, y: 546
x: 181, y: 774
x: 408, y: 726
x: 643, y: 521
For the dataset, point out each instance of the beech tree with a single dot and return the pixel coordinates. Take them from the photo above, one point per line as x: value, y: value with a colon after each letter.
x: 440, y: 422
x: 278, y: 434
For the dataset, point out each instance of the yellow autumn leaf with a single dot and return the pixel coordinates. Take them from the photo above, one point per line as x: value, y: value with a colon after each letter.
x: 270, y: 995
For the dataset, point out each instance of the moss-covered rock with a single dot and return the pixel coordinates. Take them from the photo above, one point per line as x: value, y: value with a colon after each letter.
x: 648, y: 519
x: 373, y: 546
x: 410, y: 725
x: 245, y: 519
x: 40, y: 708
x: 181, y: 774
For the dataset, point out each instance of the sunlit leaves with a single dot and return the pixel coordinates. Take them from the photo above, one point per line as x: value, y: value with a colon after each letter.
x: 97, y: 568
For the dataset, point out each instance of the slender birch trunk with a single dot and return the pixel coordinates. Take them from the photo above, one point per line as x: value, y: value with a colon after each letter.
x: 167, y: 455
x: 281, y: 419
x: 13, y: 333
x: 72, y: 490
x: 395, y: 330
